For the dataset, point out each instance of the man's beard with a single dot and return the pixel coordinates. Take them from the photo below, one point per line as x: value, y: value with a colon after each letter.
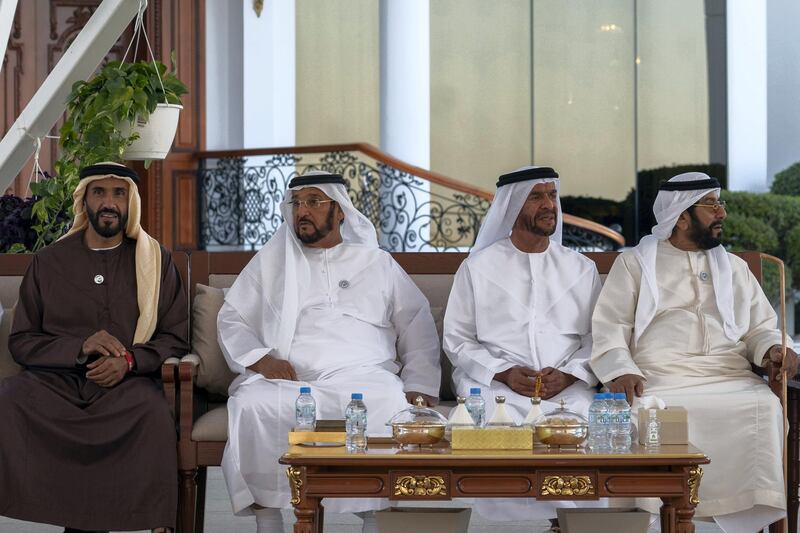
x: 103, y: 229
x: 319, y: 233
x: 529, y: 224
x: 703, y: 236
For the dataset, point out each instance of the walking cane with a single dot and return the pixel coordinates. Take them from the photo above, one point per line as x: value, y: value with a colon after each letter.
x: 780, y: 388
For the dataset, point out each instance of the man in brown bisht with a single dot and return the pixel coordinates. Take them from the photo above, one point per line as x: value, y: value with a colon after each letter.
x: 88, y: 441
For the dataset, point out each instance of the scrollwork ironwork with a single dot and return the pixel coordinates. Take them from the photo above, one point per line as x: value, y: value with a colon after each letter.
x: 240, y: 204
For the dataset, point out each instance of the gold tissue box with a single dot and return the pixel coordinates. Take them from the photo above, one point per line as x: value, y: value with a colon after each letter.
x: 300, y: 437
x: 499, y: 438
x: 674, y: 425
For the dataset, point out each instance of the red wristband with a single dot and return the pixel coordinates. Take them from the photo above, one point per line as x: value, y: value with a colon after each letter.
x: 129, y: 359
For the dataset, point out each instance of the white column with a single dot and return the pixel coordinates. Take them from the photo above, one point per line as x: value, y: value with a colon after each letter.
x: 250, y: 75
x: 224, y: 75
x: 405, y: 80
x: 747, y: 94
x: 405, y: 99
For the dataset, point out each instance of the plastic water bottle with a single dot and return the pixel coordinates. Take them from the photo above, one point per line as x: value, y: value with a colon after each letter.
x: 476, y: 406
x: 305, y: 410
x: 355, y: 420
x: 620, y: 424
x: 653, y: 433
x: 598, y: 423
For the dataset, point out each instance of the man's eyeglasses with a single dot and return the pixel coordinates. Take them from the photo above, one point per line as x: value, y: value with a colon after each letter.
x: 313, y: 203
x: 716, y: 206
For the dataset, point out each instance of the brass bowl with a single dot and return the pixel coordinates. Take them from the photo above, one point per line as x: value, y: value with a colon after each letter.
x: 420, y: 433
x: 562, y: 434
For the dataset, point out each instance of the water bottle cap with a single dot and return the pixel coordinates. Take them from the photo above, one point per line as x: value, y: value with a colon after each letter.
x: 600, y: 396
x: 357, y: 396
x: 305, y: 390
x: 475, y: 390
x: 608, y: 396
x: 619, y: 396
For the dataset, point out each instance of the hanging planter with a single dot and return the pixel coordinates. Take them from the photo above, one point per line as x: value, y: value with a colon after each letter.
x: 126, y: 111
x: 155, y: 134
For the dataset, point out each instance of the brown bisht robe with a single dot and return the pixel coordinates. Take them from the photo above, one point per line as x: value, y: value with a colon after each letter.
x: 71, y: 452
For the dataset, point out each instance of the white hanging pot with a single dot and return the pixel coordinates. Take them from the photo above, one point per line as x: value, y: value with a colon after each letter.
x: 155, y: 135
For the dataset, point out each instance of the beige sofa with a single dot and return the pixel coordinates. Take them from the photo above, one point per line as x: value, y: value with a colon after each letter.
x: 202, y: 377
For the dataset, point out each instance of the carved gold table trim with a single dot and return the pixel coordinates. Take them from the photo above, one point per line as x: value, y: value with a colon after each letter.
x: 567, y: 486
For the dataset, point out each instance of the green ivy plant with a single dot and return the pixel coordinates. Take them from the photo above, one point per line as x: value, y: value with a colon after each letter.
x: 121, y: 93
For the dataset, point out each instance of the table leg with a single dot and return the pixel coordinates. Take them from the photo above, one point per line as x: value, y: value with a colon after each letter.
x: 309, y: 516
x: 308, y: 510
x: 677, y: 513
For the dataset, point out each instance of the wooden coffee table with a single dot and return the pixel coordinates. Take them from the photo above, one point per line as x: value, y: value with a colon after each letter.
x: 384, y: 471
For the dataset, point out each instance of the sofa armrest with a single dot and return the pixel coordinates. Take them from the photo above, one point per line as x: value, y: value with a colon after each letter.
x: 169, y: 373
x: 187, y: 371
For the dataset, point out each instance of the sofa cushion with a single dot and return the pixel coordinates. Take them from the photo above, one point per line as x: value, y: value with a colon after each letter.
x: 212, y: 426
x: 213, y: 374
x: 7, y: 365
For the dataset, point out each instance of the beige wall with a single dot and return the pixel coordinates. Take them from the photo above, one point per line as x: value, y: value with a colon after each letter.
x: 338, y: 71
x: 584, y: 94
x: 673, y: 83
x: 480, y: 88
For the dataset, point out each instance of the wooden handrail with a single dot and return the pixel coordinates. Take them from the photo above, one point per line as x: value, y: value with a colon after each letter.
x: 383, y: 157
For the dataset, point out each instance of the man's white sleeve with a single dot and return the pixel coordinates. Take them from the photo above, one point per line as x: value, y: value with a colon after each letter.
x: 240, y: 344
x: 460, y: 339
x: 578, y: 364
x: 417, y: 341
x: 613, y: 321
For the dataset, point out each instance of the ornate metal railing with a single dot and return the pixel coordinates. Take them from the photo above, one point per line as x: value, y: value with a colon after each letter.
x: 412, y: 209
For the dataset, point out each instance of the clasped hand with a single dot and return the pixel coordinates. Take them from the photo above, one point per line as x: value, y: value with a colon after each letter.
x: 522, y: 380
x: 111, y: 366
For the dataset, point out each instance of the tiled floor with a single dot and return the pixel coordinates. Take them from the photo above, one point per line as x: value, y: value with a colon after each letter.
x: 220, y: 519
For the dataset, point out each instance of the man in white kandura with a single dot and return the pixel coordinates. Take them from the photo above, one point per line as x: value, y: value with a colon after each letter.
x: 521, y: 307
x: 682, y: 319
x: 321, y: 306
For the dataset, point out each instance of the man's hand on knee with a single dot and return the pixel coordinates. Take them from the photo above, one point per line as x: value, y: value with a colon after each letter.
x: 272, y: 368
x: 107, y: 371
x: 631, y: 384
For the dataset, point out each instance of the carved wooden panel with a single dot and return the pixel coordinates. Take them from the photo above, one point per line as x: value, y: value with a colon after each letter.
x: 495, y: 484
x: 361, y: 485
x: 556, y: 485
x: 419, y: 485
x: 177, y: 26
x: 66, y: 19
x: 42, y: 32
x: 644, y: 484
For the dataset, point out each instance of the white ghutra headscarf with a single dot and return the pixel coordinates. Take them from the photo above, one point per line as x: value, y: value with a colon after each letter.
x: 270, y: 289
x: 512, y: 191
x: 674, y: 197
